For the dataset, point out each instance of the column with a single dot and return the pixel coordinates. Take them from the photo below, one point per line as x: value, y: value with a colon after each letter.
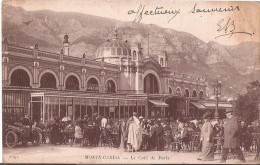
x: 61, y: 76
x: 83, y: 76
x: 5, y: 71
x: 35, y: 74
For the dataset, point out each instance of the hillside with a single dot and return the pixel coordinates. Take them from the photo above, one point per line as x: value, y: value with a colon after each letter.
x: 233, y: 65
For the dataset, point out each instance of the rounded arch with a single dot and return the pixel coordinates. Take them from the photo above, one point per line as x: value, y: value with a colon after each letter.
x: 178, y: 91
x: 194, y: 93
x: 22, y: 68
x: 111, y: 85
x: 201, y: 94
x: 95, y: 77
x: 69, y: 77
x: 150, y: 71
x: 186, y: 93
x: 91, y: 81
x: 51, y: 72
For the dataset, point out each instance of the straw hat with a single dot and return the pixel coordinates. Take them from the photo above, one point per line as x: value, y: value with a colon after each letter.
x: 229, y: 110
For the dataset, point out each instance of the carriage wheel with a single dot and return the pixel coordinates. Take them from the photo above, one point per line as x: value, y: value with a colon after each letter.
x: 37, y: 138
x: 11, y: 139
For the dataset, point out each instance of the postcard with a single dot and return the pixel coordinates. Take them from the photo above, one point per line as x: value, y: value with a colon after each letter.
x: 130, y: 81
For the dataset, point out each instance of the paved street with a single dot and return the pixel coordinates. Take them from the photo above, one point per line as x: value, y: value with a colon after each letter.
x: 65, y: 154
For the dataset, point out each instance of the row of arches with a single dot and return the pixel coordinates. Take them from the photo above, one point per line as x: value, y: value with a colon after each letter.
x: 187, y: 92
x: 21, y: 78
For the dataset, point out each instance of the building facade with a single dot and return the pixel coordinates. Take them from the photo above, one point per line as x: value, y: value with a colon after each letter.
x: 119, y: 81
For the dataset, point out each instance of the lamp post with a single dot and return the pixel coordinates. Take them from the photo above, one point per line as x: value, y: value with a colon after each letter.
x: 217, y: 92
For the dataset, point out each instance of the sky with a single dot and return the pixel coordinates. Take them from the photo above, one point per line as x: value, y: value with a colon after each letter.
x: 244, y: 19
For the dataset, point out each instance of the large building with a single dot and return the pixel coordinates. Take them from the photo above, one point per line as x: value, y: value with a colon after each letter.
x: 119, y: 81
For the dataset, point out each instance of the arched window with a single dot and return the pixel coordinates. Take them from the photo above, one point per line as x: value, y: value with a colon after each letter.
x: 161, y: 61
x: 92, y: 85
x: 201, y: 95
x: 110, y: 86
x: 119, y: 52
x: 113, y: 51
x: 151, y: 84
x: 187, y: 93
x: 20, y: 78
x: 194, y: 93
x: 48, y: 81
x: 134, y: 55
x: 124, y: 51
x: 72, y: 83
x: 178, y: 91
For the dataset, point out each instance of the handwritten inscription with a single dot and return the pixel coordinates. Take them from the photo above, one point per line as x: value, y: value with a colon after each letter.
x: 195, y: 9
x: 142, y: 11
x: 157, y: 11
x: 229, y: 28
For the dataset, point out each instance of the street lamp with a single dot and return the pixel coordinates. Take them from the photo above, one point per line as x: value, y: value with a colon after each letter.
x: 217, y: 92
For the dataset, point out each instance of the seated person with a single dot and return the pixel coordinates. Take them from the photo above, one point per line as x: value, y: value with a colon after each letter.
x: 185, y: 136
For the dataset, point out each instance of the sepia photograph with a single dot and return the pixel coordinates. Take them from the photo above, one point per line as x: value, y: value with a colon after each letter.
x: 130, y: 82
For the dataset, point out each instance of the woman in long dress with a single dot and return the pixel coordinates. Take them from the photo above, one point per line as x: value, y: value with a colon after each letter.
x: 207, y: 152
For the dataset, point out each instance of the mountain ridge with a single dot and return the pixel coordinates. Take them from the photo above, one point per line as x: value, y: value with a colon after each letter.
x: 187, y: 53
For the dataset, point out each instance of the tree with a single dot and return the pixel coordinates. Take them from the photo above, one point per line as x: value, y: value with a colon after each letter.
x: 247, y: 105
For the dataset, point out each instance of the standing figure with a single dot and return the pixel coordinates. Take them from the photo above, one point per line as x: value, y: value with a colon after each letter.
x: 78, y: 134
x: 152, y: 135
x: 134, y: 138
x: 167, y: 134
x: 180, y: 124
x: 184, y: 135
x: 159, y: 136
x: 124, y: 135
x: 232, y: 137
x: 103, y: 122
x: 207, y: 152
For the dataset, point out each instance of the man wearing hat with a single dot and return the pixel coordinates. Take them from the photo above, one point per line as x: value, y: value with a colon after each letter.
x: 141, y: 118
x: 232, y: 137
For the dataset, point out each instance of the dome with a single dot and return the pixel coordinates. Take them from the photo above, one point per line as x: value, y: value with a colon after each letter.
x: 114, y: 48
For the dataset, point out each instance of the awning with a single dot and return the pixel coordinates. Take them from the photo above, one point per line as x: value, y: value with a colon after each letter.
x: 198, y: 105
x: 159, y: 103
x: 220, y: 105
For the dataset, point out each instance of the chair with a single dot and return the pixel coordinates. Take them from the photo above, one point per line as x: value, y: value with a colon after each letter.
x: 195, y: 142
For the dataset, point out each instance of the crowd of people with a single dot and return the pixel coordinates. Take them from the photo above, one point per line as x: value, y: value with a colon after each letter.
x: 140, y: 134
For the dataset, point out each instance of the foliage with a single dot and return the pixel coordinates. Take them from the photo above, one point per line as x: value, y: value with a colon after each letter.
x: 247, y: 105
